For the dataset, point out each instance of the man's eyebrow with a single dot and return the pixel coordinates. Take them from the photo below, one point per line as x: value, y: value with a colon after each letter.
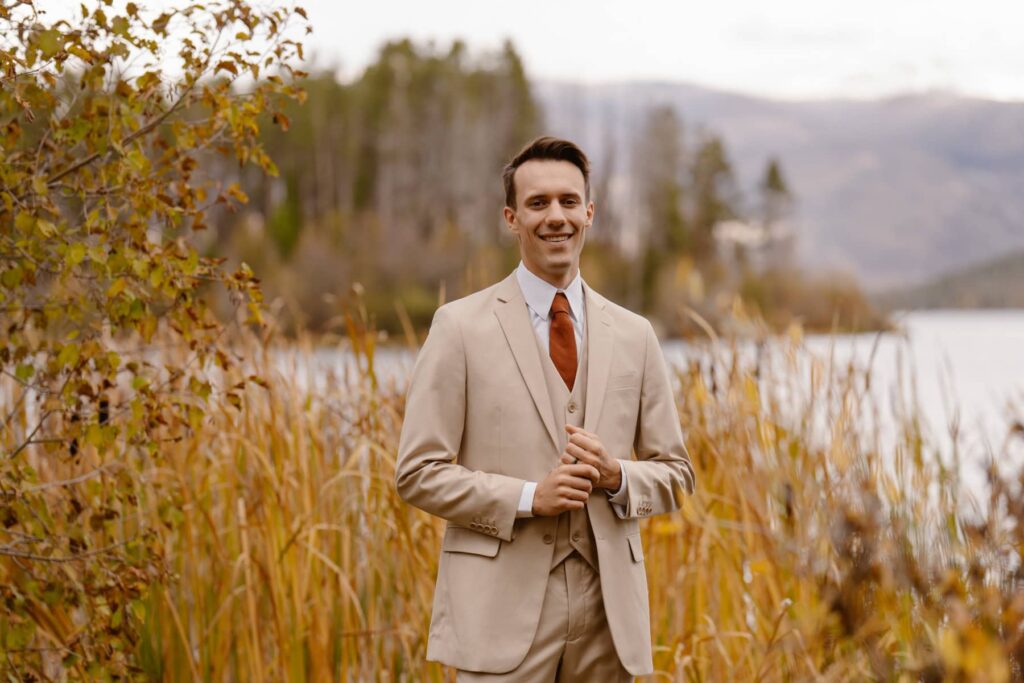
x: 542, y: 195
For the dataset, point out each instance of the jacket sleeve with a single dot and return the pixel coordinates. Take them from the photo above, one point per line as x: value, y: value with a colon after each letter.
x: 662, y: 472
x: 427, y: 472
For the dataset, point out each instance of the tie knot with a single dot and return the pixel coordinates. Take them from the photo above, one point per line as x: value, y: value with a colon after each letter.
x: 560, y: 304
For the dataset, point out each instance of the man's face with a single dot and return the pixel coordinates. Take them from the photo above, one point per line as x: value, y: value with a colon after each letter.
x: 551, y: 218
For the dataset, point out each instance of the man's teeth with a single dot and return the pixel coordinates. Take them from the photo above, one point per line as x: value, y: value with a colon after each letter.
x: 557, y: 238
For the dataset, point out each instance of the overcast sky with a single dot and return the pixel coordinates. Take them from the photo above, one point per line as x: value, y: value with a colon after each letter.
x: 782, y: 48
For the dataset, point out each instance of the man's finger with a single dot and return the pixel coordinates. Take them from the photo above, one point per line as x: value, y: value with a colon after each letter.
x: 585, y: 441
x: 581, y: 454
x: 584, y: 470
x: 582, y: 483
x: 573, y: 493
x: 567, y: 459
x: 573, y: 429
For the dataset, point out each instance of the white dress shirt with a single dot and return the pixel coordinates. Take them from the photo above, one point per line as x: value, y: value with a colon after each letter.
x: 538, y: 295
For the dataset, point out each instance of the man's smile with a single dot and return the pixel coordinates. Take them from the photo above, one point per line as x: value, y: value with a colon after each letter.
x: 555, y: 238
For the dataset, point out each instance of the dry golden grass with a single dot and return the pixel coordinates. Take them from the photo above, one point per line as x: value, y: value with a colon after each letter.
x: 802, y: 556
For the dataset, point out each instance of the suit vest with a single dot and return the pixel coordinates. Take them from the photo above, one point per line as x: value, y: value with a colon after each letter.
x: 573, y: 532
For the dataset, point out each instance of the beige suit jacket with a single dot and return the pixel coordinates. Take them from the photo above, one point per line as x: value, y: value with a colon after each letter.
x: 478, y: 424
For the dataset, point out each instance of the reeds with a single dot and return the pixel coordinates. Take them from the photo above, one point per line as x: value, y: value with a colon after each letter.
x: 812, y: 550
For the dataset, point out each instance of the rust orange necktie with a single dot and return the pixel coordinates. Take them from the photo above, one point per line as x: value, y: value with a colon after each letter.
x: 562, y: 340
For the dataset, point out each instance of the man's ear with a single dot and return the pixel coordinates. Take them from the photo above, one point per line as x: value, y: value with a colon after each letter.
x: 590, y: 213
x: 510, y: 220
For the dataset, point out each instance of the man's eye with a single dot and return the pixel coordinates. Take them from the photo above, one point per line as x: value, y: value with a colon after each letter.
x: 570, y: 202
x: 536, y: 204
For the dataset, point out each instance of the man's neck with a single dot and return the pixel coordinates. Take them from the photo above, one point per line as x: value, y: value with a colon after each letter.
x: 557, y: 284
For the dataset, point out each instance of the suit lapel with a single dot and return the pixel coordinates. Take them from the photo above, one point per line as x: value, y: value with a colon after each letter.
x: 515, y: 323
x: 599, y: 349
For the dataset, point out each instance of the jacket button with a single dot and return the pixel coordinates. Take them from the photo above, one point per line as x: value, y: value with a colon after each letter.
x: 549, y: 539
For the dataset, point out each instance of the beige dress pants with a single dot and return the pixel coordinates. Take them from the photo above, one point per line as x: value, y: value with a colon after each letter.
x: 573, y: 642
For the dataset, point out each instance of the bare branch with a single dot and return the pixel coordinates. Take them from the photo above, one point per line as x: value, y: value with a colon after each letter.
x: 8, y: 551
x: 74, y: 480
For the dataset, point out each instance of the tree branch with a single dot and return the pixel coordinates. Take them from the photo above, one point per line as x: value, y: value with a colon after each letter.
x: 74, y: 480
x: 8, y: 551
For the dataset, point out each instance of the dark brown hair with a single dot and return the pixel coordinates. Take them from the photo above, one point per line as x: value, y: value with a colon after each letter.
x: 545, y: 147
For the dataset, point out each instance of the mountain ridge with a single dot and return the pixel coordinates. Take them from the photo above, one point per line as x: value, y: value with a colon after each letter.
x: 895, y: 190
x: 998, y: 283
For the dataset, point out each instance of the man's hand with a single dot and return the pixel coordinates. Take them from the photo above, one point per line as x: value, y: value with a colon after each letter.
x: 566, y: 487
x: 588, y: 449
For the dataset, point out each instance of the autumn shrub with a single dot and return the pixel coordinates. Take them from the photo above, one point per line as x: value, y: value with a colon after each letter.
x: 108, y: 117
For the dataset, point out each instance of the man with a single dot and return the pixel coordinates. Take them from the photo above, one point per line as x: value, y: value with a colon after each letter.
x: 527, y: 400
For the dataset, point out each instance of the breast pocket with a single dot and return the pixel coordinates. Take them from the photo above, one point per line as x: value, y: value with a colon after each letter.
x: 624, y: 381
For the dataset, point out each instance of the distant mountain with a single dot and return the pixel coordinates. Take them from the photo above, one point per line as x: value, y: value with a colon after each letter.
x: 994, y: 284
x: 896, y: 190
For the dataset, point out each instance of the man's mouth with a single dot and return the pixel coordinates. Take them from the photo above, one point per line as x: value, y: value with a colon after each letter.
x: 555, y: 238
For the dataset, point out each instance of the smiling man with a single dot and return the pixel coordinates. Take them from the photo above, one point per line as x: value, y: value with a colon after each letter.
x: 541, y: 424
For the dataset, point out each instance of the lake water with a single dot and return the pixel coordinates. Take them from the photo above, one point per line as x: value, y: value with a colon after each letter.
x: 963, y: 369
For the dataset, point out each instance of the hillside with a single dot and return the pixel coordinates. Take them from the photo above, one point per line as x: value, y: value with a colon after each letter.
x: 994, y: 284
x: 895, y: 191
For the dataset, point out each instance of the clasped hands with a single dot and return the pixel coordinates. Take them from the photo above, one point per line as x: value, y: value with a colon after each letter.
x: 583, y: 466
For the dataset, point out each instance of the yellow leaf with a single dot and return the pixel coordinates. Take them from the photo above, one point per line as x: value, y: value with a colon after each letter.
x: 120, y: 26
x: 81, y: 54
x: 75, y: 255
x: 24, y: 222
x: 68, y: 355
x: 49, y: 43
x: 236, y: 193
x: 94, y: 435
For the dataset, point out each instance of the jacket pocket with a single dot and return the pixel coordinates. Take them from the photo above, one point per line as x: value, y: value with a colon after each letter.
x: 628, y: 380
x: 461, y: 540
x: 636, y: 547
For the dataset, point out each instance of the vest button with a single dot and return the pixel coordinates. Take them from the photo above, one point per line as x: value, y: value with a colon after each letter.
x: 576, y: 536
x: 572, y: 407
x: 549, y: 539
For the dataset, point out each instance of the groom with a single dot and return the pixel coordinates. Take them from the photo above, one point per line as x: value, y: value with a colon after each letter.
x: 541, y: 424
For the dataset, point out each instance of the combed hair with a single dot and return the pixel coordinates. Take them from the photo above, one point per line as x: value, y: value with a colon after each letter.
x: 545, y: 147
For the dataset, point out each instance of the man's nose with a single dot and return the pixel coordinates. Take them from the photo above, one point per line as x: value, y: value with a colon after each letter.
x: 556, y: 216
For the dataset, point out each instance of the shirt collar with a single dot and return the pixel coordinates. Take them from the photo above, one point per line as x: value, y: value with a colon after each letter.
x: 539, y: 294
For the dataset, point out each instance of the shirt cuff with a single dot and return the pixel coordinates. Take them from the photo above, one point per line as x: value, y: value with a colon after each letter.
x: 620, y: 499
x: 621, y: 495
x: 525, y: 508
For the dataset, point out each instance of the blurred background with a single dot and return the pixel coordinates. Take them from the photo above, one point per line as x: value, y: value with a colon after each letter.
x: 819, y: 163
x: 808, y: 167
